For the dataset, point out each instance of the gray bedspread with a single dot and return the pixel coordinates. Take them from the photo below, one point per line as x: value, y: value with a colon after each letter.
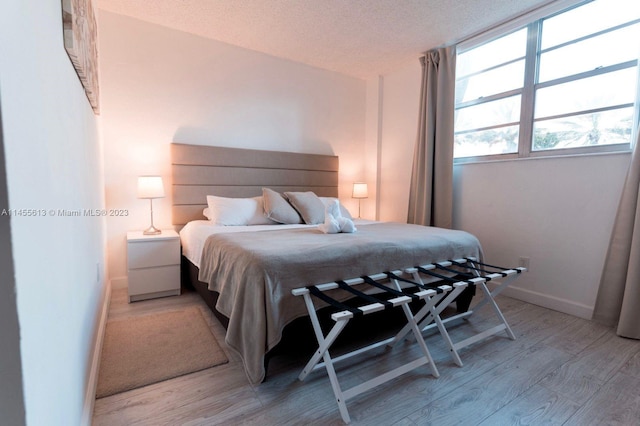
x: 254, y: 272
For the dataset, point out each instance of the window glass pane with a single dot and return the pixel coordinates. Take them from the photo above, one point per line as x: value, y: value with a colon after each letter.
x: 504, y: 49
x: 503, y: 140
x: 574, y: 97
x: 607, y: 49
x: 498, y: 80
x: 588, y: 19
x: 614, y: 88
x: 488, y: 114
x: 600, y: 128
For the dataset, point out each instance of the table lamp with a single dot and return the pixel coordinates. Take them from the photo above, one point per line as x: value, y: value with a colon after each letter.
x: 150, y: 187
x: 360, y: 191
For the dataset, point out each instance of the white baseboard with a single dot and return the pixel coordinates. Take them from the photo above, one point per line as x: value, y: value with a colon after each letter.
x: 92, y: 383
x: 551, y: 302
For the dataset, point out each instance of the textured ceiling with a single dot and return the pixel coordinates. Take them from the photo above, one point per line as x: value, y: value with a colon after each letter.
x: 361, y: 38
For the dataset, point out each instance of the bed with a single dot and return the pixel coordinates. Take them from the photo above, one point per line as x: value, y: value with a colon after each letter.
x: 246, y: 272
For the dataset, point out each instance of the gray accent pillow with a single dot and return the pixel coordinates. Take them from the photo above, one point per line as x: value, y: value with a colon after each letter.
x: 278, y: 209
x: 310, y: 207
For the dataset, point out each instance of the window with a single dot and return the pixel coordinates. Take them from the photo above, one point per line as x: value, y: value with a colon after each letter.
x: 567, y: 83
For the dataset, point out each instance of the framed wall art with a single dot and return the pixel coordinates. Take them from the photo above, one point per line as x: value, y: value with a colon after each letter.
x: 80, y: 42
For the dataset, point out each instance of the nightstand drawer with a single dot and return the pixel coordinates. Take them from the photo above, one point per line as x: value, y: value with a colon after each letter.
x: 148, y: 254
x: 154, y: 280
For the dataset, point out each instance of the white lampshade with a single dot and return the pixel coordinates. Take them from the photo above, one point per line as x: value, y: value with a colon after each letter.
x: 360, y: 190
x: 150, y: 187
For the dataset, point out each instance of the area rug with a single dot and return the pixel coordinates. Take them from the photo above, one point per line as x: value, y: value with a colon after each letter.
x: 139, y: 351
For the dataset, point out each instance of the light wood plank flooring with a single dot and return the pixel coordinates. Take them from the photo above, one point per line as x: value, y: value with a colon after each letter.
x: 561, y: 370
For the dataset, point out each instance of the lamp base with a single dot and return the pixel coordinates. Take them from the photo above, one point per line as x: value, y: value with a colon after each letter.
x: 152, y: 230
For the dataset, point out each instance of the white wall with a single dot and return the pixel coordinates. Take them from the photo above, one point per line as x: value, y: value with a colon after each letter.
x: 53, y: 162
x: 399, y: 131
x: 557, y: 211
x: 161, y: 86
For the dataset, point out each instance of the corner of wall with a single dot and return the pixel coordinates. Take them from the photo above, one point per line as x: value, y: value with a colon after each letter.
x: 12, y: 404
x: 373, y: 141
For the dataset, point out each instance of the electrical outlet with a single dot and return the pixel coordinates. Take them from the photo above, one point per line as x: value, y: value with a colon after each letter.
x: 524, y: 262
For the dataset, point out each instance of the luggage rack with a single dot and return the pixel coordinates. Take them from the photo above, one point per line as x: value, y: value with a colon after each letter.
x: 404, y: 286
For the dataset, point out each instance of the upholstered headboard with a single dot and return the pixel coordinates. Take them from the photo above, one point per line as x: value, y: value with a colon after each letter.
x: 199, y: 171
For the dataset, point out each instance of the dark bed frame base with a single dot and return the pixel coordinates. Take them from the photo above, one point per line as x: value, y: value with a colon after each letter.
x: 189, y: 278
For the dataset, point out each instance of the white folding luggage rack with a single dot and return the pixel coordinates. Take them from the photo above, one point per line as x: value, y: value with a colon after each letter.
x: 436, y: 296
x: 480, y: 274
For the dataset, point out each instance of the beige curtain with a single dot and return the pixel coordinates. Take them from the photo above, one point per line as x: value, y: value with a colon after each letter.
x: 431, y: 193
x: 618, y: 299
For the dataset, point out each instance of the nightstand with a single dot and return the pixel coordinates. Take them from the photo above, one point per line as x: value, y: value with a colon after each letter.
x: 153, y: 265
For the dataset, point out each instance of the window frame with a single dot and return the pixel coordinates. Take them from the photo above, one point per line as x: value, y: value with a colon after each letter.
x: 533, y: 25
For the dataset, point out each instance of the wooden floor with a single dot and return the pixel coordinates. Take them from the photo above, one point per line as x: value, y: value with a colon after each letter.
x: 561, y: 370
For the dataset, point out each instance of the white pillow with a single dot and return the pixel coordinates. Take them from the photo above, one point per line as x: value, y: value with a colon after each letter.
x: 236, y: 211
x: 343, y: 209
